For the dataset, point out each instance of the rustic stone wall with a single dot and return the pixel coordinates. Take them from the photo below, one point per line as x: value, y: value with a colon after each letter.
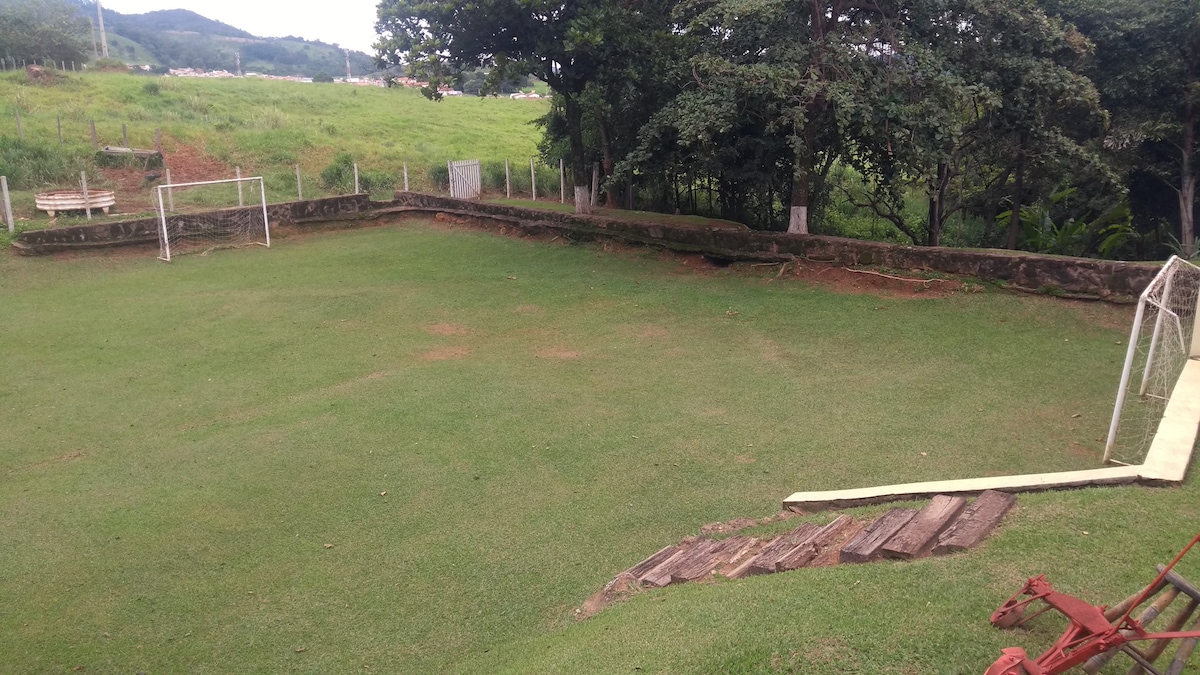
x: 1085, y: 277
x: 144, y: 231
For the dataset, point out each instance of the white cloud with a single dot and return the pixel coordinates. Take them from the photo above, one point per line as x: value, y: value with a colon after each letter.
x: 348, y: 23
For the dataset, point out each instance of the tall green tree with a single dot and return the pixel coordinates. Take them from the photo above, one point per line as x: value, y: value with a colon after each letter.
x: 1147, y: 67
x: 43, y: 29
x: 566, y: 44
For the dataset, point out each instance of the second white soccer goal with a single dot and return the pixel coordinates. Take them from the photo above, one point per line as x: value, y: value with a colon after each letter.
x: 205, y: 215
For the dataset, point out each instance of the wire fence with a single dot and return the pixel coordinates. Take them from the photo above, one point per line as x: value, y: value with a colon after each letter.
x: 61, y: 149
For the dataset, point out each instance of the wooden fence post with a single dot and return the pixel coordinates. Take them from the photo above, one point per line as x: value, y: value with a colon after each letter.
x: 562, y: 182
x: 170, y: 193
x: 507, y: 182
x: 356, y: 178
x: 299, y: 185
x: 124, y: 135
x: 406, y: 176
x: 96, y: 139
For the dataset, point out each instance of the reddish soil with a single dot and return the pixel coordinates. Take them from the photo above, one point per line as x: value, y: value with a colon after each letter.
x: 446, y: 354
x: 187, y: 163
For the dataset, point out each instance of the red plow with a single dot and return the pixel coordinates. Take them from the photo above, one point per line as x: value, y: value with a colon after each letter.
x: 1096, y: 634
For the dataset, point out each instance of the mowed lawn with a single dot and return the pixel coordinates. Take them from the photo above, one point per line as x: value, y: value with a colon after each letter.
x: 412, y: 449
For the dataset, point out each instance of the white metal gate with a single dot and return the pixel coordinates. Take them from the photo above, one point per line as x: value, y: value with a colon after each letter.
x: 464, y: 178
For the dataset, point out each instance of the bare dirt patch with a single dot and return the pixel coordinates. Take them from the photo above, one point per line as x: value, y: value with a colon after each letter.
x: 744, y: 459
x: 556, y: 353
x: 528, y: 310
x: 839, y: 279
x: 445, y: 354
x: 65, y: 458
x: 446, y: 329
x: 188, y: 163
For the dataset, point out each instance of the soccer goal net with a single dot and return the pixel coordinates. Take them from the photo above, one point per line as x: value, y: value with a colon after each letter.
x: 1160, y: 344
x: 202, y: 216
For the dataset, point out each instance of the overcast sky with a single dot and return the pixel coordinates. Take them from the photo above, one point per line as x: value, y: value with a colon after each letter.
x: 348, y: 23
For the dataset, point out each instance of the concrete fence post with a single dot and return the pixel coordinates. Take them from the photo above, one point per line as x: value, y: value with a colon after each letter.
x: 299, y: 185
x: 532, y: 180
x: 8, y: 217
x: 87, y: 203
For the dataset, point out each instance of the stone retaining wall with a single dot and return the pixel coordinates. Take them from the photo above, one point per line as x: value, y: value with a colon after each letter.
x: 1083, y: 277
x: 144, y: 231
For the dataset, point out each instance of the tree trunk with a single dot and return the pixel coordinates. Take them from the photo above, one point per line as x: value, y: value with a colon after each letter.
x: 1014, y: 221
x: 612, y: 194
x: 801, y: 185
x: 579, y: 175
x: 1187, y: 190
x: 937, y: 206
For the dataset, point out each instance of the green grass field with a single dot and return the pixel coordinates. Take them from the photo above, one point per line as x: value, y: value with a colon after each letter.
x: 181, y: 441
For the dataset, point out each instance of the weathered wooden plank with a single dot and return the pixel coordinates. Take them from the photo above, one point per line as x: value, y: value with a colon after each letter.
x: 694, y: 559
x: 917, y: 538
x: 661, y: 574
x: 865, y: 547
x: 653, y: 561
x: 741, y: 555
x: 810, y: 548
x: 764, y: 562
x: 702, y: 562
x: 975, y: 523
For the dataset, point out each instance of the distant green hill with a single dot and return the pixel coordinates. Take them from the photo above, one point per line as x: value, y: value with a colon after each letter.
x: 179, y: 38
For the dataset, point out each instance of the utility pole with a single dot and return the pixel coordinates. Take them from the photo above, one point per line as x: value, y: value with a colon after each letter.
x: 347, y: 65
x: 95, y: 50
x: 238, y: 55
x: 103, y: 37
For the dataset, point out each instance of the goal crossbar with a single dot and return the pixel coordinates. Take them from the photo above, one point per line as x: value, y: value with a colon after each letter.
x: 167, y: 204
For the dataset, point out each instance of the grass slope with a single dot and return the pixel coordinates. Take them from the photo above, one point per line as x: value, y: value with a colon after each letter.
x: 265, y: 127
x: 181, y: 442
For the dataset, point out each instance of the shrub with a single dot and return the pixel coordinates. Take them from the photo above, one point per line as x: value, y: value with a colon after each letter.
x: 151, y: 89
x: 33, y: 164
x: 338, y: 176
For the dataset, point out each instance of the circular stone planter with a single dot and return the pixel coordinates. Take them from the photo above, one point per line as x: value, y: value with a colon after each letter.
x: 72, y: 200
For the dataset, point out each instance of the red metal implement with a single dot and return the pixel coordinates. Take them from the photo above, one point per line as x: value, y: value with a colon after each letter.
x: 1090, y: 633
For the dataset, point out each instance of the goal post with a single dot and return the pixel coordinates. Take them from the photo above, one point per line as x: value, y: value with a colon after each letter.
x: 205, y: 215
x: 1165, y: 334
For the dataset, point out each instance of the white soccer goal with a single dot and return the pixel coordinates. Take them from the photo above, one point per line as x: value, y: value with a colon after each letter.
x: 1164, y: 337
x: 206, y: 215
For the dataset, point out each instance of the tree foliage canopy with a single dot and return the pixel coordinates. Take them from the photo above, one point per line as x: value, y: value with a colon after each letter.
x: 916, y: 113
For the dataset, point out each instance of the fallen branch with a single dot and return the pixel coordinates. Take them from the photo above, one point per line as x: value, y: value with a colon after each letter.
x: 889, y: 276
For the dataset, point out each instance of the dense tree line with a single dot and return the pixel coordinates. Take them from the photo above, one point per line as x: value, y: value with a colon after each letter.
x: 43, y: 29
x: 1056, y: 125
